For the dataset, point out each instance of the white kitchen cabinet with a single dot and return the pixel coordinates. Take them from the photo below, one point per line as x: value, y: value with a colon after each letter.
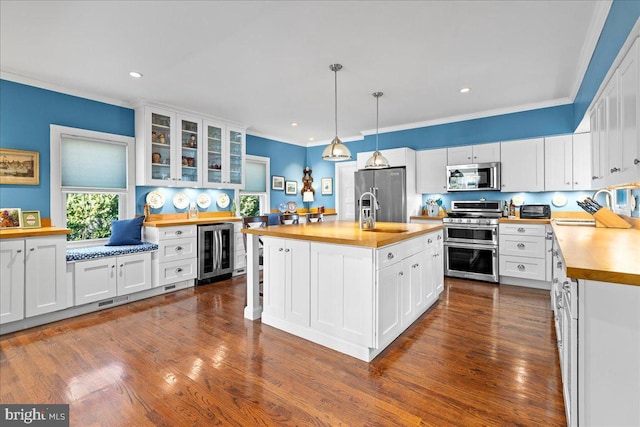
x: 628, y: 155
x: 240, y: 254
x: 431, y: 176
x: 611, y: 132
x: 287, y: 280
x: 177, y: 149
x: 480, y: 153
x: 167, y: 148
x: 435, y: 274
x: 176, y: 257
x: 567, y: 162
x: 598, y: 146
x: 525, y: 253
x: 522, y: 165
x: 413, y: 293
x: 225, y: 152
x: 108, y: 277
x: 45, y: 275
x: 11, y: 280
x: 389, y: 320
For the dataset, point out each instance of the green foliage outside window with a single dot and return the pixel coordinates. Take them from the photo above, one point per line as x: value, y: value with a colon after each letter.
x: 249, y: 205
x: 89, y: 215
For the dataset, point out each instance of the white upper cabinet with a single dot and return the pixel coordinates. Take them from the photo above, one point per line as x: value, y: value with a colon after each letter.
x: 173, y: 149
x: 481, y: 153
x: 431, y: 175
x: 522, y: 165
x: 615, y: 127
x: 567, y: 162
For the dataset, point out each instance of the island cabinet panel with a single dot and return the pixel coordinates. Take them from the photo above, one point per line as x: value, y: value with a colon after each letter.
x: 286, y: 280
x: 390, y: 309
x: 342, y: 286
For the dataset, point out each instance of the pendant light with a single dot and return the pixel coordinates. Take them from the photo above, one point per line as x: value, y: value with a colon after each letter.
x: 336, y: 151
x: 377, y: 160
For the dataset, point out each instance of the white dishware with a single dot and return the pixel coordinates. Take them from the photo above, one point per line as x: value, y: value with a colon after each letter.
x: 155, y: 200
x: 180, y: 201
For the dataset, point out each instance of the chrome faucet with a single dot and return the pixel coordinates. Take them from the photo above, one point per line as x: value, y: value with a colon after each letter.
x: 609, y: 197
x: 368, y: 214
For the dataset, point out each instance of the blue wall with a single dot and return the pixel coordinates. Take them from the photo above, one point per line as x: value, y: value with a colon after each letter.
x: 25, y: 115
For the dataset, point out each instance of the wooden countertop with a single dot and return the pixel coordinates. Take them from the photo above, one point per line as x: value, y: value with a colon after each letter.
x: 347, y: 232
x: 19, y: 233
x: 187, y: 221
x: 524, y: 221
x: 603, y: 254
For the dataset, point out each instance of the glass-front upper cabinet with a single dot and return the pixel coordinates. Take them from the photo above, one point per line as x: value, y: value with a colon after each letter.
x: 190, y: 167
x: 225, y: 153
x: 154, y: 146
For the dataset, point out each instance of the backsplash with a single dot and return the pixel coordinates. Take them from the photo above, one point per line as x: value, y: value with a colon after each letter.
x: 192, y: 194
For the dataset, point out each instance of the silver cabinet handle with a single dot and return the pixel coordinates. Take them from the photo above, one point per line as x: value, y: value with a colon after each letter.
x: 575, y: 183
x: 439, y: 237
x: 19, y: 251
x: 113, y: 266
x: 415, y: 265
x: 521, y: 230
x: 178, y: 248
x: 121, y: 265
x: 390, y: 255
x: 614, y: 170
x: 32, y: 249
x: 179, y: 270
x: 569, y: 182
x: 280, y: 249
x: 636, y: 161
x: 520, y: 267
x: 520, y: 245
x: 566, y: 286
x: 559, y: 265
x: 401, y: 274
x: 178, y: 232
x: 594, y: 177
x: 430, y: 241
x: 287, y: 250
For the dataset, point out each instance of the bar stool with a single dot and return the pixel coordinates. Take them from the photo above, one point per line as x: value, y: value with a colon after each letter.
x: 314, y: 217
x: 287, y: 219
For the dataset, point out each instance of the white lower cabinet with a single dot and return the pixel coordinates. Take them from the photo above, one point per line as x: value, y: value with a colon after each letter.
x: 11, y: 280
x: 104, y: 278
x: 356, y: 300
x: 286, y: 279
x: 240, y: 254
x: 176, y: 258
x: 525, y: 254
x: 33, y: 277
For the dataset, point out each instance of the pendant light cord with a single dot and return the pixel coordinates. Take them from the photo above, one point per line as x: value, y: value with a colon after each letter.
x: 335, y: 73
x: 377, y: 116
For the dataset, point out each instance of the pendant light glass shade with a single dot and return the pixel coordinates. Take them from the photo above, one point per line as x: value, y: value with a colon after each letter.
x: 377, y: 160
x: 336, y: 151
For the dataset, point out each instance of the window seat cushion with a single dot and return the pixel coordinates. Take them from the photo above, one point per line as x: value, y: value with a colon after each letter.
x: 90, y: 252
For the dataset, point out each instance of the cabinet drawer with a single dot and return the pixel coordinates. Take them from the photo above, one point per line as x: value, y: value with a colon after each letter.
x: 177, y: 232
x: 175, y: 271
x: 524, y: 246
x: 176, y: 249
x: 388, y: 255
x: 526, y: 268
x: 413, y: 246
x: 523, y: 229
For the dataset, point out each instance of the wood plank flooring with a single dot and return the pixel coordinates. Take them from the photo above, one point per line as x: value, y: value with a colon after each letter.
x: 484, y: 355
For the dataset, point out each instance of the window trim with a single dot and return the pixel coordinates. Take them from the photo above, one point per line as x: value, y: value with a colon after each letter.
x: 127, y: 197
x: 267, y: 180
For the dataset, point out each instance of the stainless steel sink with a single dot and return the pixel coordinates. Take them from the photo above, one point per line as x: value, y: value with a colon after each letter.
x: 576, y: 221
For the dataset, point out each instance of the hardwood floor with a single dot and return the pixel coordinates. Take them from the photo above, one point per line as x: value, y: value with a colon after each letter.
x: 484, y: 355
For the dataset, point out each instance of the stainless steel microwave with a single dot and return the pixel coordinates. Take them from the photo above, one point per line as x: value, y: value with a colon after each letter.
x: 474, y: 177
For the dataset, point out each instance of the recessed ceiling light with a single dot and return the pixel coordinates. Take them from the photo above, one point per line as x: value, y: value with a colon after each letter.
x: 465, y: 90
x: 135, y: 74
x: 294, y: 124
x: 311, y: 138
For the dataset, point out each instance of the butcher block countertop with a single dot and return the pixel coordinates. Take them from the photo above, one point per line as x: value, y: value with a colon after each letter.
x: 347, y: 232
x: 186, y: 221
x: 602, y: 254
x: 19, y: 233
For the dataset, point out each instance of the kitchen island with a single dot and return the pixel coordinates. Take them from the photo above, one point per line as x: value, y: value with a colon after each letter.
x: 351, y: 290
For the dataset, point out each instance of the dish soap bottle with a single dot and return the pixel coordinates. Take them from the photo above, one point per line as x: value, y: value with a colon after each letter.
x: 193, y: 212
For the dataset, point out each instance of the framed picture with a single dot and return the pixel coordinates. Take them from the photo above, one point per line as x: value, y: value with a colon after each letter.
x: 327, y: 185
x: 19, y: 167
x: 277, y: 182
x: 291, y: 187
x: 10, y: 218
x: 31, y: 219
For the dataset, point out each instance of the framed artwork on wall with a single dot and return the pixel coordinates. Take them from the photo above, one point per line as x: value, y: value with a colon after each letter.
x: 31, y: 219
x: 10, y: 218
x: 277, y: 182
x: 19, y: 167
x: 327, y: 186
x: 291, y: 187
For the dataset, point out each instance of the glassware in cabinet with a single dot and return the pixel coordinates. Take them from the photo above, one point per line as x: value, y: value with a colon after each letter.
x: 236, y: 163
x: 190, y: 141
x: 160, y: 146
x: 214, y: 154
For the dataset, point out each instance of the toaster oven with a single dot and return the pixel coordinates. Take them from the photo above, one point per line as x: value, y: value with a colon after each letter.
x: 535, y: 211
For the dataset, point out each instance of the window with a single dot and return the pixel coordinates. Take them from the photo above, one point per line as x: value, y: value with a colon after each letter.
x: 254, y: 199
x: 92, y: 182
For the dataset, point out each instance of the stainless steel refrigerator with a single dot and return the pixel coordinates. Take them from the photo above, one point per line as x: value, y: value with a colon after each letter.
x: 390, y: 188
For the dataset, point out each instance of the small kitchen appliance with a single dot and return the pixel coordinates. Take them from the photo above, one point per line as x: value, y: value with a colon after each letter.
x: 535, y: 211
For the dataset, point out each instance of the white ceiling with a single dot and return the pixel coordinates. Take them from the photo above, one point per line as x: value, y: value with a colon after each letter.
x: 266, y: 64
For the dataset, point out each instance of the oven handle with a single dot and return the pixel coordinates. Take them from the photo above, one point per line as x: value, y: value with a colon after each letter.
x: 493, y: 248
x: 494, y: 228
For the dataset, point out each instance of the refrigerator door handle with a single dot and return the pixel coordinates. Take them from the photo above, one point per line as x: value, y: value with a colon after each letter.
x: 216, y: 249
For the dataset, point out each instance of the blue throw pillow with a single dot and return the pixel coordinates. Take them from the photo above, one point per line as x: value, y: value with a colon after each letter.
x: 126, y: 232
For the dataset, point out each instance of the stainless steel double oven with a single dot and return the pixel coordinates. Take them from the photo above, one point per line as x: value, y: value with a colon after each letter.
x: 471, y: 240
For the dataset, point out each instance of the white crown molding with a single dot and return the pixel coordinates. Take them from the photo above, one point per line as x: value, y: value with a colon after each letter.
x: 472, y: 116
x: 275, y: 138
x: 327, y: 142
x: 17, y: 78
x: 140, y: 102
x: 596, y: 25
